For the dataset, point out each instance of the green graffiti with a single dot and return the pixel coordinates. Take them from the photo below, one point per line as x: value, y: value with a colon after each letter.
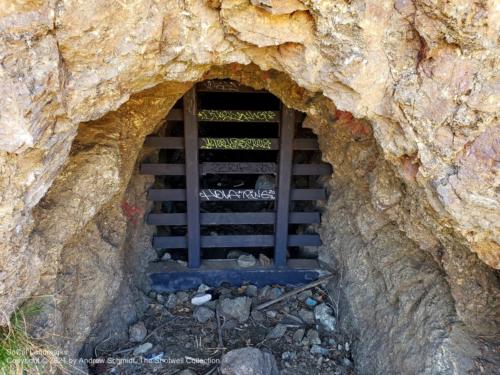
x: 235, y: 143
x: 240, y: 116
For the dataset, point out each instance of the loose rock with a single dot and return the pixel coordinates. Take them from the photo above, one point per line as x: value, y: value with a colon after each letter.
x: 257, y: 316
x: 322, y: 313
x: 200, y: 299
x: 313, y: 337
x: 302, y: 296
x: 166, y: 256
x: 142, y: 349
x: 298, y: 336
x: 235, y: 254
x: 264, y: 260
x: 275, y: 293
x: 137, y: 332
x: 237, y: 308
x: 246, y: 261
x: 248, y: 361
x: 203, y: 314
x: 182, y: 297
x: 271, y: 314
x: 251, y: 291
x: 316, y: 349
x: 277, y: 332
x: 186, y: 372
x: 289, y: 355
x: 307, y: 316
x: 171, y: 301
x: 203, y: 288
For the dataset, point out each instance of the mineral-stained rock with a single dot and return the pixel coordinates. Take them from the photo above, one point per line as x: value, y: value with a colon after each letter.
x: 249, y: 361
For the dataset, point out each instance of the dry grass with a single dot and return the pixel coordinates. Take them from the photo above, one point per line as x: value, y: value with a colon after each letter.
x: 19, y: 353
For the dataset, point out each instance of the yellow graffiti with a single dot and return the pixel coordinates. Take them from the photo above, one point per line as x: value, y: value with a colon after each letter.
x: 248, y: 116
x: 236, y: 143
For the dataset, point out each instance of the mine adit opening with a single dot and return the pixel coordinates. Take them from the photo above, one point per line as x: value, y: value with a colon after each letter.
x: 241, y: 153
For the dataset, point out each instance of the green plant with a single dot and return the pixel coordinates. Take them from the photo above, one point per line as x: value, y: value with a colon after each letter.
x: 19, y: 353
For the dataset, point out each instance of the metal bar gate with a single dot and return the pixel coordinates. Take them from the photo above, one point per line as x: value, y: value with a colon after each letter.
x: 173, y: 276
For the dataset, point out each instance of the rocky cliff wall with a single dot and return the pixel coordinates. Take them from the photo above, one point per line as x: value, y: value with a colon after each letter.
x: 422, y: 162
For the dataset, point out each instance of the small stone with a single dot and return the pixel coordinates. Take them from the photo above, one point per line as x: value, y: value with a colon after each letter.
x: 246, y: 261
x: 346, y: 362
x: 251, y: 290
x: 302, y: 296
x: 288, y: 355
x: 235, y: 254
x: 277, y: 332
x: 347, y: 347
x: 264, y: 260
x: 307, y: 316
x: 171, y: 301
x: 203, y: 288
x: 152, y: 294
x: 298, y: 336
x: 257, y: 316
x: 332, y: 342
x: 137, y: 332
x: 311, y: 302
x: 264, y: 291
x: 186, y: 372
x: 275, y: 293
x: 166, y: 256
x: 200, y: 299
x: 316, y: 349
x: 182, y: 297
x: 182, y: 262
x: 248, y: 361
x: 142, y: 349
x: 313, y: 337
x: 237, y: 308
x: 203, y: 314
x: 160, y: 298
x: 271, y: 314
x: 322, y: 313
x: 211, y: 305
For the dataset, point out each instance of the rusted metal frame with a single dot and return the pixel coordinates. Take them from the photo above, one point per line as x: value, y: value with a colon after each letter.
x: 192, y: 178
x: 248, y: 240
x: 284, y: 185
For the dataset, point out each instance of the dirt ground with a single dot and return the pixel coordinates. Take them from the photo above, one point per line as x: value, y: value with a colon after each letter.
x: 181, y: 343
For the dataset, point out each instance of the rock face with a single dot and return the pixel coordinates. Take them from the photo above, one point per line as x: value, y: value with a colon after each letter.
x: 404, y: 97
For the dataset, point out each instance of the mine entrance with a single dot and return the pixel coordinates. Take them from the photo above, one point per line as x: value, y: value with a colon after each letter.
x: 236, y: 175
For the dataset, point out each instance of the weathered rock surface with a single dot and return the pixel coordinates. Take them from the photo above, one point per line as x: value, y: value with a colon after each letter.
x: 414, y: 198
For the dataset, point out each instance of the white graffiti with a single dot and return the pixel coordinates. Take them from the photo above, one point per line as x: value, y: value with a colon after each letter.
x: 237, y: 194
